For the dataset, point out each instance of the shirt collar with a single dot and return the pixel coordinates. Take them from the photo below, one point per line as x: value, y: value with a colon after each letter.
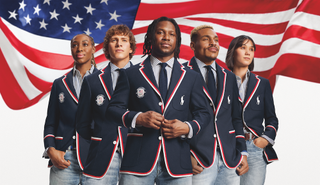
x: 154, y: 61
x: 202, y: 65
x: 76, y: 71
x: 246, y: 77
x: 114, y: 67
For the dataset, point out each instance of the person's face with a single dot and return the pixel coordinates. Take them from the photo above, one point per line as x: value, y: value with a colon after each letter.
x: 243, y: 55
x: 206, y: 47
x: 82, y: 49
x: 119, y: 48
x: 165, y: 40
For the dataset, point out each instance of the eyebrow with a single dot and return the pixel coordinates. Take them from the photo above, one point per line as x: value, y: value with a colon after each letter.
x: 248, y: 46
x: 209, y: 36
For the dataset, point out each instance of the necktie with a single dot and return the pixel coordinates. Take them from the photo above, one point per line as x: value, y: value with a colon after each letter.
x: 211, y: 83
x: 163, y: 81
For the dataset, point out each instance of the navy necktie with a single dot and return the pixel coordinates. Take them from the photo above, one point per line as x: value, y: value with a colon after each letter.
x: 163, y: 82
x: 211, y: 83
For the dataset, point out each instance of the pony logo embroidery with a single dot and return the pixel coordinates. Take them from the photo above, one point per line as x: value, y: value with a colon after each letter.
x: 61, y: 97
x: 258, y: 100
x: 100, y: 99
x: 181, y: 100
x: 229, y: 99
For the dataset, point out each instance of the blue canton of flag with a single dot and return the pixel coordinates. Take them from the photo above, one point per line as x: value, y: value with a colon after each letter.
x: 64, y: 19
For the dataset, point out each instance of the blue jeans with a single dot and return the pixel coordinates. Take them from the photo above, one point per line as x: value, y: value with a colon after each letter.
x: 159, y: 175
x: 112, y: 175
x: 217, y: 174
x: 257, y: 166
x: 69, y: 176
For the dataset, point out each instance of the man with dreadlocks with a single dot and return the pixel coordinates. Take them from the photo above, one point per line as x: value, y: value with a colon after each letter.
x: 154, y: 99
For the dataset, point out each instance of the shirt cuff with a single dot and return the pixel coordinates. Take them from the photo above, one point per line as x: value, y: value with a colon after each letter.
x: 244, y: 152
x: 45, y: 153
x: 268, y: 139
x: 190, y: 134
x: 133, y: 123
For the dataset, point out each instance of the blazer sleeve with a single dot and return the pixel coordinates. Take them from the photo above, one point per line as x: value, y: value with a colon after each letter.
x: 117, y: 111
x: 271, y: 120
x: 52, y: 119
x: 199, y: 106
x: 236, y: 119
x: 84, y: 114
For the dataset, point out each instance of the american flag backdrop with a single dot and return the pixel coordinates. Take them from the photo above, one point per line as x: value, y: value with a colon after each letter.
x: 35, y: 36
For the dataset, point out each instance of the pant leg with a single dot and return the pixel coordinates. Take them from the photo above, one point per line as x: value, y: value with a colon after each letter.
x: 111, y: 177
x: 208, y: 176
x: 226, y: 176
x: 164, y: 178
x: 257, y: 166
x: 68, y: 176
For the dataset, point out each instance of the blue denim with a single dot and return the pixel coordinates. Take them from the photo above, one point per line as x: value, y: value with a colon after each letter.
x: 158, y: 176
x: 111, y: 177
x: 68, y: 176
x: 217, y: 174
x: 257, y: 166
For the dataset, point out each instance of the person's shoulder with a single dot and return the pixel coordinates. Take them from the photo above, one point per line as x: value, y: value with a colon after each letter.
x: 133, y: 68
x: 59, y: 79
x: 262, y: 79
x: 95, y: 74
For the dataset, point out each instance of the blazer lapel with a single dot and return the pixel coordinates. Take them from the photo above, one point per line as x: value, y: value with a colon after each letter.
x: 177, y: 75
x: 106, y: 80
x: 147, y: 72
x: 192, y: 64
x: 253, y: 85
x: 68, y: 83
x: 221, y: 85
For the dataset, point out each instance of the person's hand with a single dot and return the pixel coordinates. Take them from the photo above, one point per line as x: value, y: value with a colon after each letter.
x: 174, y: 128
x: 57, y: 158
x: 243, y: 167
x: 150, y: 119
x: 260, y: 142
x: 196, y: 168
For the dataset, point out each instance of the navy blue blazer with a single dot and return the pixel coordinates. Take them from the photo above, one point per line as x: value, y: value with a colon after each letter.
x: 227, y: 128
x: 137, y: 91
x: 59, y: 128
x: 95, y: 95
x: 257, y: 107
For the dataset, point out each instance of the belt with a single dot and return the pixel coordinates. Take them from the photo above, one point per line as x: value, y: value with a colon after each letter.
x: 249, y: 136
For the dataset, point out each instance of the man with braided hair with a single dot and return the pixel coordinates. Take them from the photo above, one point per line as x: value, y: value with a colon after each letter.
x: 153, y: 99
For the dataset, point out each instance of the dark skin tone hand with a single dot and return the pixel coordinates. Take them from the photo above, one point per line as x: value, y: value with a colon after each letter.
x: 196, y: 168
x: 174, y: 128
x: 57, y: 158
x: 170, y: 128
x: 243, y: 167
x: 150, y: 119
x: 260, y: 142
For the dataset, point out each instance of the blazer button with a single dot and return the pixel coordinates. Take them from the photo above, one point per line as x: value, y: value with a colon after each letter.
x: 160, y: 103
x: 159, y: 137
x: 114, y: 142
x: 73, y: 137
x: 214, y: 135
x: 210, y: 104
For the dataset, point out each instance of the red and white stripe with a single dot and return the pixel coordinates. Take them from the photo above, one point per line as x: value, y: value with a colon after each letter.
x: 286, y: 33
